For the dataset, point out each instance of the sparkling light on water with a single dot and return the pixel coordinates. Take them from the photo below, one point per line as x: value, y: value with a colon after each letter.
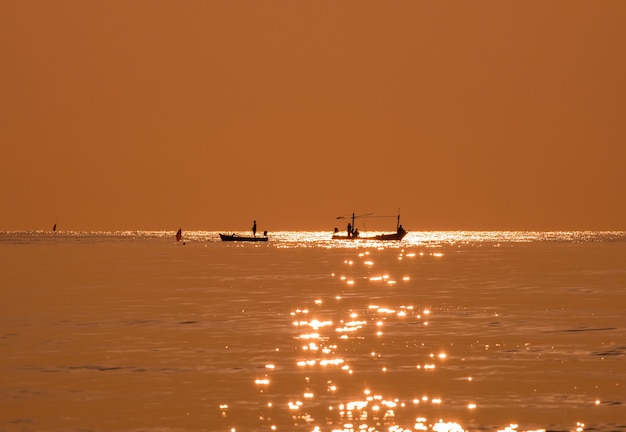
x: 412, y: 335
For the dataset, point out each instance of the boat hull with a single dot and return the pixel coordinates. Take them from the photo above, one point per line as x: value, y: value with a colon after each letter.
x: 381, y: 237
x: 235, y: 237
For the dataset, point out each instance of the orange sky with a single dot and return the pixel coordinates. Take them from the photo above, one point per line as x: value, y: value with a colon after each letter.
x: 151, y: 114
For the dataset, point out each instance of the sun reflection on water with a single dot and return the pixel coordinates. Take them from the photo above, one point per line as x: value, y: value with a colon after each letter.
x: 344, y: 343
x: 356, y: 358
x: 325, y: 351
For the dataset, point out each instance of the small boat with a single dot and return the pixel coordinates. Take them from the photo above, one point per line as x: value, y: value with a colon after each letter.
x: 353, y: 234
x: 236, y: 237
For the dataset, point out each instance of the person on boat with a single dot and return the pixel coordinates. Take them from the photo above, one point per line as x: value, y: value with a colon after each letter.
x: 401, y: 230
x: 349, y: 229
x: 254, y: 228
x: 355, y: 233
x: 265, y: 233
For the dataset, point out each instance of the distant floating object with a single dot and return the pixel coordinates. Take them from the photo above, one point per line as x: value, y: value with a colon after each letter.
x: 179, y: 234
x: 54, y: 228
x: 237, y: 237
x: 353, y: 234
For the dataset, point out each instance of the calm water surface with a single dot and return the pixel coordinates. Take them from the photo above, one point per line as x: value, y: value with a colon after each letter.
x: 132, y: 331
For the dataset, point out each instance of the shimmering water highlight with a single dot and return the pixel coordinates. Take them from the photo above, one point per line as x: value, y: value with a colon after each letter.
x: 440, y: 332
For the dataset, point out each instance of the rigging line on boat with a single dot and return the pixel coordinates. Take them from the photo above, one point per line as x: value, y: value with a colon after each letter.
x: 369, y: 215
x: 356, y: 216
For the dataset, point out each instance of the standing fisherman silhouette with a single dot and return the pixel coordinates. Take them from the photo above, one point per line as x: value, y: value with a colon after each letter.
x: 254, y: 228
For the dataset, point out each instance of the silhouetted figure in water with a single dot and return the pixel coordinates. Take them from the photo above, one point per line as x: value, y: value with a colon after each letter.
x: 349, y: 229
x: 254, y: 228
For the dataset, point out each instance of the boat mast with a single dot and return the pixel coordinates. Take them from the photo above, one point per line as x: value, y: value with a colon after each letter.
x: 352, y: 223
x: 398, y: 224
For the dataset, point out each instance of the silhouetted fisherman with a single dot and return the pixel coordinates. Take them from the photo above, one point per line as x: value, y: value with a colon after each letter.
x: 254, y: 228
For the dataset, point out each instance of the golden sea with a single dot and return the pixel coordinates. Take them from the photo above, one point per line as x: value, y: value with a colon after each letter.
x: 444, y: 331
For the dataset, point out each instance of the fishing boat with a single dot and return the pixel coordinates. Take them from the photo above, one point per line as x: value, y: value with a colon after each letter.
x: 236, y: 237
x: 353, y: 233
